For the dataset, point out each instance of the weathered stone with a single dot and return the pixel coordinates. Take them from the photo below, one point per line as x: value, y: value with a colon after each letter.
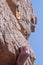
x: 17, y: 21
x: 25, y: 16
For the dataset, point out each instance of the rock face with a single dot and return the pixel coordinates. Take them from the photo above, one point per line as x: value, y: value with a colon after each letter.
x: 17, y: 21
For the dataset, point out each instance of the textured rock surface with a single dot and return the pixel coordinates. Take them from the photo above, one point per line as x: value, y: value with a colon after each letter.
x: 17, y: 21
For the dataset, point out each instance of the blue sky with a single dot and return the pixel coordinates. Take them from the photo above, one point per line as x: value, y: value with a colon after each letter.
x: 36, y: 38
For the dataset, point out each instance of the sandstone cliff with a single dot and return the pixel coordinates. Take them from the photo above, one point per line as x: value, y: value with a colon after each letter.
x: 17, y: 21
